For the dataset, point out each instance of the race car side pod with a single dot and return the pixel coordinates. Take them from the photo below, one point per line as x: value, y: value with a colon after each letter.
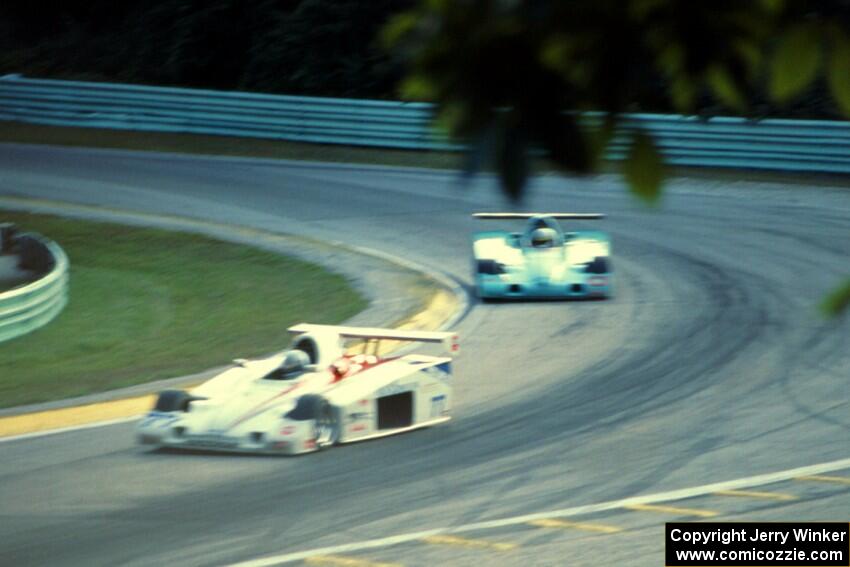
x: 570, y: 216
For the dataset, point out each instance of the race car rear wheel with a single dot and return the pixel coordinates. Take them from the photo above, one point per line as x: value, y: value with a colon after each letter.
x: 173, y: 400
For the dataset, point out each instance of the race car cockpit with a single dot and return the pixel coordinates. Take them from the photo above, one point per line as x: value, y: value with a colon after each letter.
x: 543, y: 238
x: 543, y: 232
x: 294, y: 364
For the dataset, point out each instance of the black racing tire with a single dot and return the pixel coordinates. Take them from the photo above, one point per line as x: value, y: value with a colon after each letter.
x: 173, y: 400
x: 325, y: 419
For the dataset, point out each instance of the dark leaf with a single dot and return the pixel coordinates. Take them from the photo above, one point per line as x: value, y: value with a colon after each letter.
x: 477, y: 155
x: 724, y: 88
x: 512, y: 161
x: 795, y: 62
x: 397, y: 28
x: 417, y: 88
x: 565, y: 144
x: 683, y: 93
x: 601, y: 137
x: 839, y: 73
x: 838, y: 300
x: 644, y: 168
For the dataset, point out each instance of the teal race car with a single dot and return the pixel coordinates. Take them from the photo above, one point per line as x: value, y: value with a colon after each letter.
x: 542, y: 261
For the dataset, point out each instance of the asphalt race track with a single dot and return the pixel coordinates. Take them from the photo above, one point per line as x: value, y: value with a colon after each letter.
x: 710, y: 364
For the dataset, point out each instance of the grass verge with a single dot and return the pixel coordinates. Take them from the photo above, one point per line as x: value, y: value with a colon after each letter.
x: 219, y: 145
x: 147, y: 304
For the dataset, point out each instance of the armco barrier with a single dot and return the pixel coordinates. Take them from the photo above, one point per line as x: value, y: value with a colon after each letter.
x: 29, y: 307
x: 164, y: 109
x: 782, y: 145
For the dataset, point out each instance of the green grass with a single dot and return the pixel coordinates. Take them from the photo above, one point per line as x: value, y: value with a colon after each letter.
x: 148, y: 304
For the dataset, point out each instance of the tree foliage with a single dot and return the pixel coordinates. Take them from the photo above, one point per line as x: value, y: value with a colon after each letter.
x: 503, y: 72
x: 498, y: 68
x: 317, y: 47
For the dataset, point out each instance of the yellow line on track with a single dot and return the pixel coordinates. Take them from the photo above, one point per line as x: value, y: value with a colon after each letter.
x: 553, y: 523
x: 756, y: 494
x: 672, y: 510
x: 440, y: 307
x: 70, y: 417
x: 339, y: 561
x: 823, y: 478
x: 465, y: 542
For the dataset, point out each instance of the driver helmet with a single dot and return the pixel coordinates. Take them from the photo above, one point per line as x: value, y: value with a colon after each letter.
x: 543, y: 238
x: 294, y: 363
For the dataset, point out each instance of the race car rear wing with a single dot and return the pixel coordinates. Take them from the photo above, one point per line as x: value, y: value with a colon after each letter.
x: 570, y: 216
x: 449, y: 340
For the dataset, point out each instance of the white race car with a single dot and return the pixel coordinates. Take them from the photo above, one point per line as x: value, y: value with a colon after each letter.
x: 309, y: 397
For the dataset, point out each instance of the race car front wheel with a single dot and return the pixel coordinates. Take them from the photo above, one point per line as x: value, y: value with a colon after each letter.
x: 173, y: 400
x: 326, y: 428
x: 321, y: 413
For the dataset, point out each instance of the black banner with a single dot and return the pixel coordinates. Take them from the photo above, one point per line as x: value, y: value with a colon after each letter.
x: 757, y: 544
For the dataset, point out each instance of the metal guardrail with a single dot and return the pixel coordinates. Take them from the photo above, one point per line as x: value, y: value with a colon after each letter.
x: 25, y: 309
x: 776, y: 144
x: 198, y: 111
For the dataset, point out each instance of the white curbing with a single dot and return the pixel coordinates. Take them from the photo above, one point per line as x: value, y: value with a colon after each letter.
x: 455, y: 288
